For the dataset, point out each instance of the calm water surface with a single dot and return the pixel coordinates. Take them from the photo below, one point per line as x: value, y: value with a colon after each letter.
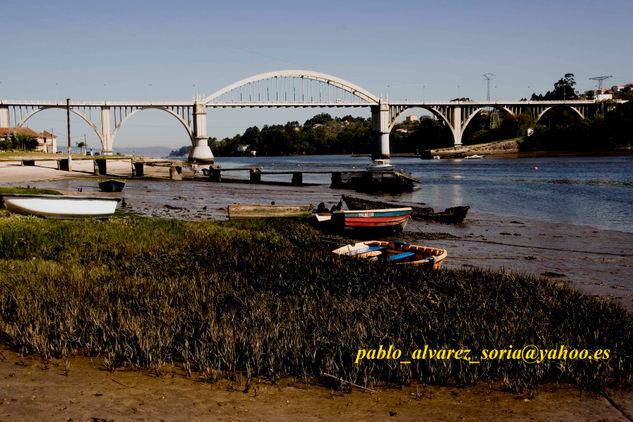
x: 594, y: 191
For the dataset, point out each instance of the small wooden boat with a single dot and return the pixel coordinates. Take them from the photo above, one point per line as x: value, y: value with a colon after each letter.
x: 373, y: 220
x: 60, y: 206
x: 452, y: 215
x: 474, y: 157
x: 395, y: 251
x: 238, y: 211
x: 112, y: 185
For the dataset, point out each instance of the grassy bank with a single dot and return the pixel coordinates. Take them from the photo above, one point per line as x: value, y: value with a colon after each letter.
x: 270, y: 300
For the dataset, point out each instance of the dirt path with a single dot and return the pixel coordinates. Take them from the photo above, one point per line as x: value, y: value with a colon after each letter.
x: 79, y: 389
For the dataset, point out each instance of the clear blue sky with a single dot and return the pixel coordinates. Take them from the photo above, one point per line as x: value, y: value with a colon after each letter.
x: 127, y: 50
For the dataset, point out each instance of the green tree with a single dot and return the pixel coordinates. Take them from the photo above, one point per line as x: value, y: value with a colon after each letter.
x: 83, y: 146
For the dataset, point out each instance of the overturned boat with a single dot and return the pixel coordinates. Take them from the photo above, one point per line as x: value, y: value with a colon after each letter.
x: 112, y: 185
x: 60, y: 206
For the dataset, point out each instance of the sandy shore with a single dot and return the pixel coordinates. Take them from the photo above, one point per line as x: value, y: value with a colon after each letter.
x: 595, y: 261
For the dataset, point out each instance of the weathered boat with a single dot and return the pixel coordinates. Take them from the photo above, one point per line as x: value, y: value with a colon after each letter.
x: 60, y: 206
x: 395, y: 251
x: 389, y: 220
x: 112, y: 185
x: 240, y: 211
x: 452, y: 215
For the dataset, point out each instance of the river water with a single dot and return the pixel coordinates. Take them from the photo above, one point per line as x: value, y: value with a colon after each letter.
x: 593, y: 191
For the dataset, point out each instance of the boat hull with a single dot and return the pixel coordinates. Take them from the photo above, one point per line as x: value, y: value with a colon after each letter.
x: 453, y: 215
x: 60, y: 206
x: 240, y: 211
x: 387, y: 250
x: 111, y: 185
x: 384, y: 220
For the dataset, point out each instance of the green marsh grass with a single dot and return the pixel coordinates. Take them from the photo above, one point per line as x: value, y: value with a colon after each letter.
x: 268, y: 299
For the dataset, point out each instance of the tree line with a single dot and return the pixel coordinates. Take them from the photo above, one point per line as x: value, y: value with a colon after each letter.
x: 608, y: 127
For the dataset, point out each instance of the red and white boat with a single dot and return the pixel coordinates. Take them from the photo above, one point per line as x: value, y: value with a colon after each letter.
x: 384, y: 220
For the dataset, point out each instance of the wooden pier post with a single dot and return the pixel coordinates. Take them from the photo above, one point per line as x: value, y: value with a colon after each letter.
x: 256, y: 175
x: 175, y: 172
x: 337, y: 180
x: 297, y: 179
x: 215, y: 175
x: 138, y: 169
x: 101, y: 166
x: 63, y: 164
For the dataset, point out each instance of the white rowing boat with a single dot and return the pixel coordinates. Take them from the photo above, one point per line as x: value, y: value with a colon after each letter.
x: 60, y: 206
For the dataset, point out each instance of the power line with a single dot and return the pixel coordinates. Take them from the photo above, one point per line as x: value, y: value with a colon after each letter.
x: 600, y: 79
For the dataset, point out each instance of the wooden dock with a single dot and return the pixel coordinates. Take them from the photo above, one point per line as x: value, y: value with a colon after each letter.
x: 339, y: 178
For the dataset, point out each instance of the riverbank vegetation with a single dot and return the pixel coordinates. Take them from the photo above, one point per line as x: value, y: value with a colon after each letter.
x: 268, y: 299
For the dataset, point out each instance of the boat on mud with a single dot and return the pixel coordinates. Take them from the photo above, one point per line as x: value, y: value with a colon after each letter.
x: 452, y: 215
x: 111, y: 185
x: 372, y: 221
x: 60, y: 206
x: 398, y: 252
x: 241, y: 211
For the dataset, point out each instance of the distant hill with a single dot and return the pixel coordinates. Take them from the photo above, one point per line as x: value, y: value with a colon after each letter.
x: 181, y: 152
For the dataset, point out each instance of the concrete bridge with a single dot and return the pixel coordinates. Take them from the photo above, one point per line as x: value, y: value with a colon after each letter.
x: 280, y: 89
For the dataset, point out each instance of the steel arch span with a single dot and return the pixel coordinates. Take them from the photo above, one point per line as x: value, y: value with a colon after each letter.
x: 367, y: 97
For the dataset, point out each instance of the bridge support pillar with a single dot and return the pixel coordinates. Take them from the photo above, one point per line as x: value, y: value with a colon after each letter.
x: 380, y: 131
x: 201, y: 152
x: 106, y: 145
x: 457, y: 125
x: 4, y: 117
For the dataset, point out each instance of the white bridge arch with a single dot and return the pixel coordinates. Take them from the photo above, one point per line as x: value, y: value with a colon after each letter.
x: 83, y: 116
x: 366, y: 97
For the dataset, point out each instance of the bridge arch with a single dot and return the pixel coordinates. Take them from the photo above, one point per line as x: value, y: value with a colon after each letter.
x: 165, y: 109
x: 349, y: 87
x: 86, y: 119
x: 564, y: 106
x: 436, y: 112
x: 433, y: 111
x: 478, y: 110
